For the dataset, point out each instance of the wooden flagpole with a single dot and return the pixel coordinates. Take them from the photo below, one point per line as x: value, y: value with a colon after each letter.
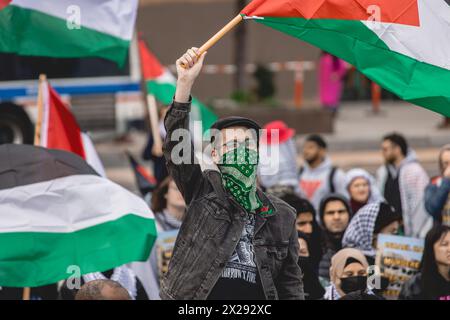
x: 152, y: 113
x: 40, y: 105
x: 154, y: 123
x: 219, y: 35
x: 26, y: 294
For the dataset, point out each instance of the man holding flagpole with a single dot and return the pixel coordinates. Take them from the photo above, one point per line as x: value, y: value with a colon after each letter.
x: 235, y: 242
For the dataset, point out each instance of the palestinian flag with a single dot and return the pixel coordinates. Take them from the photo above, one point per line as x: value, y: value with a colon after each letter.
x: 403, y: 45
x: 162, y: 84
x: 145, y: 181
x: 56, y: 213
x: 68, y: 29
x: 60, y: 130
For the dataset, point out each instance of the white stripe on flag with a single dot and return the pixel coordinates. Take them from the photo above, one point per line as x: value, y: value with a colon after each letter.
x: 429, y: 43
x: 67, y: 205
x: 114, y: 17
x: 92, y: 157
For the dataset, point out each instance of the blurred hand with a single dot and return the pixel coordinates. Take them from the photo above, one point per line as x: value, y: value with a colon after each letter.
x: 188, y: 69
x: 157, y: 150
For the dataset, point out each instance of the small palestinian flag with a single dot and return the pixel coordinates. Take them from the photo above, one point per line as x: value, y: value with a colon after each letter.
x: 57, y: 216
x: 68, y: 29
x: 162, y: 84
x: 60, y: 130
x: 145, y: 181
x: 403, y: 45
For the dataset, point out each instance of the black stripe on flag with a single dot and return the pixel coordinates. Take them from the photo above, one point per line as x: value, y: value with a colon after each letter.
x: 25, y: 164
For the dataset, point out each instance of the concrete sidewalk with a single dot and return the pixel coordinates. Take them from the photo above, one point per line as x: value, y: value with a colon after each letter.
x: 357, y: 128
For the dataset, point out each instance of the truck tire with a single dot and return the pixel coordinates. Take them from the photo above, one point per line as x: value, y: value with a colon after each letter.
x: 15, y: 125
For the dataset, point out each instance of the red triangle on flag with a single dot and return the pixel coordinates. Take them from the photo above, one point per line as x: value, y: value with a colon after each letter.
x: 4, y: 3
x: 398, y: 11
x: 151, y: 67
x: 62, y: 128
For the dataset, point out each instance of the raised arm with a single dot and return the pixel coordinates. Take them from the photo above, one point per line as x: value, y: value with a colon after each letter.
x: 178, y: 148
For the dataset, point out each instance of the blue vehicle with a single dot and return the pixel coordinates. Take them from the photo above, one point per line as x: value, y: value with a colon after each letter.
x: 103, y: 96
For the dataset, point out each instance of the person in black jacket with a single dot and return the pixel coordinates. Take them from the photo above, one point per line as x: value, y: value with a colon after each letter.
x: 306, y: 224
x: 433, y: 281
x: 335, y: 213
x: 311, y: 284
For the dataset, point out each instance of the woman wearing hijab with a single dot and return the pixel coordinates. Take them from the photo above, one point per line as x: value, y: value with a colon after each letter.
x: 348, y: 273
x: 433, y: 281
x: 370, y: 221
x: 361, y: 188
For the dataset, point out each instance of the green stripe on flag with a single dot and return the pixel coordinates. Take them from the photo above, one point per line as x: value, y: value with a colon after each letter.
x: 30, y: 259
x: 420, y: 83
x: 32, y: 33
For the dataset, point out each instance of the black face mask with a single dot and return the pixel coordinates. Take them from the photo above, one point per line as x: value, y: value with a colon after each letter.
x: 305, y: 236
x: 303, y: 262
x: 351, y: 284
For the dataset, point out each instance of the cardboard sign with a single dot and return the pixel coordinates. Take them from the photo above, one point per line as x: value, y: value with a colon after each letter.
x: 399, y: 259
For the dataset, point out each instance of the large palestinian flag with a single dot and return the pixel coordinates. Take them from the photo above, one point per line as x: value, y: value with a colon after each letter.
x: 56, y: 213
x: 162, y: 84
x: 403, y: 45
x: 68, y: 29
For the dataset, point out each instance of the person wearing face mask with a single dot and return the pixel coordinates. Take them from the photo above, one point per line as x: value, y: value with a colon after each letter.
x: 370, y: 221
x: 311, y: 284
x: 361, y: 188
x: 307, y: 225
x: 433, y: 280
x: 235, y: 242
x: 335, y: 215
x: 348, y: 273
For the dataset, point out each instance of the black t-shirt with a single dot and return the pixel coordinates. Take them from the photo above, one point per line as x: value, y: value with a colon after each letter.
x: 237, y: 289
x: 240, y: 279
x: 442, y: 289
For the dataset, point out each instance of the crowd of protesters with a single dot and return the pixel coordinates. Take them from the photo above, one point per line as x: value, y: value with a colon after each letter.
x: 274, y: 230
x: 251, y: 229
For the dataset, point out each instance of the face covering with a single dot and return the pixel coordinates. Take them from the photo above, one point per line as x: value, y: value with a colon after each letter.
x: 304, y: 264
x: 306, y: 236
x: 238, y: 168
x: 351, y: 284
